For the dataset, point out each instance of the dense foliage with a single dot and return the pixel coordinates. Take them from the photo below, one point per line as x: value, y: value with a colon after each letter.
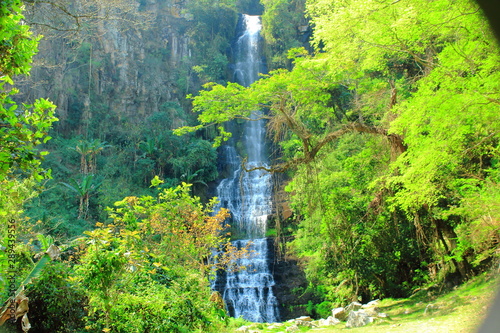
x: 387, y: 127
x: 148, y: 269
x: 120, y: 87
x: 390, y: 134
x: 23, y: 128
x: 284, y: 27
x: 99, y: 154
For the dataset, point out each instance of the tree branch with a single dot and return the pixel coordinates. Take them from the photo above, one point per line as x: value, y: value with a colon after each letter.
x: 395, y: 141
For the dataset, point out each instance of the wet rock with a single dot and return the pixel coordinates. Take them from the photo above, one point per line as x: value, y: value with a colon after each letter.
x: 288, y: 275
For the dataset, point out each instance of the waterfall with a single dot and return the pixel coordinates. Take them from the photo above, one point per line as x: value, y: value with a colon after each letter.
x: 248, y: 293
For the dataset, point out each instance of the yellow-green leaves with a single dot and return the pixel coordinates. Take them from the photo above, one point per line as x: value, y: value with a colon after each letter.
x: 452, y: 117
x: 159, y: 249
x: 21, y: 128
x: 218, y: 104
x: 156, y: 181
x: 426, y: 75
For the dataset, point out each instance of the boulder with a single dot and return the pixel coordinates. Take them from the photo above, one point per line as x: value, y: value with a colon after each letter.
x: 358, y: 319
x: 293, y: 328
x: 340, y: 314
x: 370, y: 304
x: 371, y: 308
x: 354, y: 306
x: 330, y: 321
x: 243, y: 329
x: 372, y: 311
x: 275, y: 325
x: 304, y: 321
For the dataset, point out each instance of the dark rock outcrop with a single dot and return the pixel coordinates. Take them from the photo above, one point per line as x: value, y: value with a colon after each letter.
x: 289, y: 278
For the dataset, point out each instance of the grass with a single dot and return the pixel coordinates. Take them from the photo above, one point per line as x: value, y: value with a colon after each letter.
x: 461, y: 310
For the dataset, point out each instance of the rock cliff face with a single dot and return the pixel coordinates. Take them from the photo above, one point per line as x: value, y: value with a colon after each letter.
x: 290, y: 278
x: 127, y: 61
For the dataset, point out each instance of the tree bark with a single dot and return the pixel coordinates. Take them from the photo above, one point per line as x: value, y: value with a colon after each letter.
x: 312, y: 149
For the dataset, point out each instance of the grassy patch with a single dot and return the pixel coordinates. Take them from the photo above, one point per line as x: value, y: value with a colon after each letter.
x: 461, y: 310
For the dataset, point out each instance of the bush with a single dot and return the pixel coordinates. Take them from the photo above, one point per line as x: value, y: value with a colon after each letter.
x: 56, y: 304
x: 148, y: 271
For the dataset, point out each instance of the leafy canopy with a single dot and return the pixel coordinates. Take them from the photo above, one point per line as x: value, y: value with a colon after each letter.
x: 391, y: 129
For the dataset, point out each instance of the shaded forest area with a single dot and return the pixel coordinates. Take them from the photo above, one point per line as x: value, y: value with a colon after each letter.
x: 384, y: 116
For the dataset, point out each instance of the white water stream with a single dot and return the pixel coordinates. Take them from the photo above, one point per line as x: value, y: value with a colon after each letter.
x: 248, y: 293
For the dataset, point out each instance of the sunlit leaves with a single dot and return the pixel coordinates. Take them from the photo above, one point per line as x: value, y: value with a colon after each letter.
x: 20, y: 132
x: 24, y: 127
x: 18, y: 45
x: 295, y: 102
x: 174, y: 226
x: 454, y: 112
x: 428, y: 72
x: 160, y: 247
x: 156, y: 181
x: 367, y: 35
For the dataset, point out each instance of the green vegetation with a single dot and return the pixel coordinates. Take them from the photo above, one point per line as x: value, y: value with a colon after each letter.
x: 148, y: 269
x: 111, y: 138
x: 386, y: 127
x: 282, y: 22
x: 461, y: 310
x: 389, y: 132
x: 22, y: 129
x: 105, y: 277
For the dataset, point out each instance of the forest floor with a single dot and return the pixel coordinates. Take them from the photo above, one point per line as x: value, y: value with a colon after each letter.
x: 460, y: 310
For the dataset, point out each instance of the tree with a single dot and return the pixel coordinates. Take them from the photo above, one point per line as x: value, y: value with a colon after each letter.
x: 88, y: 151
x: 307, y: 109
x: 284, y: 26
x: 148, y: 269
x: 84, y: 190
x: 24, y: 127
x: 441, y: 105
x: 70, y: 17
x: 423, y: 77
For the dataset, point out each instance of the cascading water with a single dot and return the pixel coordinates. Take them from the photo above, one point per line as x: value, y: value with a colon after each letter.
x: 248, y: 293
